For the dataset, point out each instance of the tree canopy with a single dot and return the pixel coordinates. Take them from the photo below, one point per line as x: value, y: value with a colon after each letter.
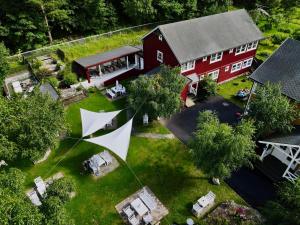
x: 29, y: 126
x: 157, y: 95
x: 29, y: 24
x: 285, y: 210
x: 219, y: 149
x: 271, y: 111
x: 4, y: 67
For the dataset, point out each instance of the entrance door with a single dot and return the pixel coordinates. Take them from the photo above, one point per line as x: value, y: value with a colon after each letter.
x: 141, y: 63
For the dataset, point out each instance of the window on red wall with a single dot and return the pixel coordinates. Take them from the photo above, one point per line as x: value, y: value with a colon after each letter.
x: 160, y: 56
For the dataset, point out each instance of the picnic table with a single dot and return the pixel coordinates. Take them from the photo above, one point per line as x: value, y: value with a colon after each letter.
x: 139, y: 207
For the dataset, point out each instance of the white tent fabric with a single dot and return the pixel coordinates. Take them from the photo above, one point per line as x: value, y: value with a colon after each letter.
x: 93, y: 121
x: 117, y: 141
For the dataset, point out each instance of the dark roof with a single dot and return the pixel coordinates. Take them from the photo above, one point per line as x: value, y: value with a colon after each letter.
x: 292, y: 138
x: 107, y: 56
x: 282, y: 67
x: 46, y: 88
x: 196, y: 38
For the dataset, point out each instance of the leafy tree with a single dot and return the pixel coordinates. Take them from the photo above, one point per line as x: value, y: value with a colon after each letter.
x: 4, y: 66
x: 285, y: 210
x: 139, y: 11
x: 29, y: 126
x: 208, y: 87
x: 94, y: 16
x: 219, y: 149
x: 61, y: 188
x: 271, y: 111
x: 208, y: 7
x: 55, y: 212
x: 158, y: 95
x: 177, y: 9
x: 14, y: 207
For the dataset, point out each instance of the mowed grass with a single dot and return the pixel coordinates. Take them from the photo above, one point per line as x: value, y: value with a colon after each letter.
x: 229, y: 89
x: 164, y: 165
x: 103, y: 44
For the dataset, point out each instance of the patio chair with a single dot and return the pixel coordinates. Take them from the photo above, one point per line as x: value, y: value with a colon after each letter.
x: 110, y: 93
x: 128, y: 211
x: 148, y: 218
x: 133, y: 220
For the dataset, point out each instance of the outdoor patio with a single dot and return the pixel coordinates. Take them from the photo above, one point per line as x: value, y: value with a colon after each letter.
x: 142, y: 208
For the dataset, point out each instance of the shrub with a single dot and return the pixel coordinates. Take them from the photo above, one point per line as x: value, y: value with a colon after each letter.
x: 286, y: 30
x: 43, y: 72
x: 70, y: 78
x: 53, y: 81
x: 296, y: 34
x: 207, y: 88
x: 278, y: 38
x: 36, y: 64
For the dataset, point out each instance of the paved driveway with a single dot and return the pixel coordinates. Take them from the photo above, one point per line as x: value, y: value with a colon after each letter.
x: 183, y: 124
x: 252, y: 185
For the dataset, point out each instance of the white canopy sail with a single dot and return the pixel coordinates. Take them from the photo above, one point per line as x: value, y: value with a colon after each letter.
x: 116, y: 141
x: 93, y: 121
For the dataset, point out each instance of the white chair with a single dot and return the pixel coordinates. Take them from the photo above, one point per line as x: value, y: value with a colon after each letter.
x: 148, y: 218
x: 133, y: 220
x: 128, y: 211
x: 110, y: 93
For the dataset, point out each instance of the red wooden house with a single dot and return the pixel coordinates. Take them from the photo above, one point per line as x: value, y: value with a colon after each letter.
x: 221, y: 46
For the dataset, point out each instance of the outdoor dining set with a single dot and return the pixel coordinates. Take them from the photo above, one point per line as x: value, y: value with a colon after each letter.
x: 116, y: 91
x: 139, y: 211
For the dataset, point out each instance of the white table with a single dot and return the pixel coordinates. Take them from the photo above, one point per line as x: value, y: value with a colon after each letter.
x: 139, y: 207
x: 203, y: 201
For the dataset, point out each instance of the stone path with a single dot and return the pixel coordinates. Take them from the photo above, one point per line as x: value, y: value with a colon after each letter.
x: 155, y: 136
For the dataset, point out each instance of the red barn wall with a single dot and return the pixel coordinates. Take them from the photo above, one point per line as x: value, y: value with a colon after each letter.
x: 151, y: 44
x: 227, y: 60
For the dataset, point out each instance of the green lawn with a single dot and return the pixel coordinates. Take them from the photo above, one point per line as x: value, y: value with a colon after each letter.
x: 164, y: 165
x: 229, y: 89
x: 103, y: 44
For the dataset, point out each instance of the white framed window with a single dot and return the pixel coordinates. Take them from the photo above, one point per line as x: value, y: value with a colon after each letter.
x: 188, y: 66
x: 247, y: 63
x: 252, y: 45
x: 231, y: 50
x: 160, y: 37
x: 241, y: 49
x: 236, y: 67
x: 216, y: 57
x: 201, y: 77
x: 204, y: 59
x: 160, y: 56
x: 227, y: 68
x: 214, y: 74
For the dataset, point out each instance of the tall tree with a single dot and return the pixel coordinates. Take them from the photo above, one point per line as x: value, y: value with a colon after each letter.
x: 14, y: 207
x: 219, y: 149
x: 272, y: 111
x: 177, y: 9
x: 29, y: 126
x: 208, y: 7
x: 4, y: 66
x: 158, y: 95
x: 285, y: 209
x: 140, y: 11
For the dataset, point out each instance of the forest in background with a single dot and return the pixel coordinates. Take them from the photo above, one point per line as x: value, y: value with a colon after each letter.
x: 30, y: 24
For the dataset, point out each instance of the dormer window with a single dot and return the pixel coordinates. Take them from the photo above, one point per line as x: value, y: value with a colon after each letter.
x: 160, y: 37
x: 216, y: 57
x: 204, y: 59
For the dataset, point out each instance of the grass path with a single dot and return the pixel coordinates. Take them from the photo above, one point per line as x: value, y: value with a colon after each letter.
x: 164, y: 165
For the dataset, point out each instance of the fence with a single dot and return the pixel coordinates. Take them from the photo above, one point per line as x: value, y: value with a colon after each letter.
x: 50, y: 48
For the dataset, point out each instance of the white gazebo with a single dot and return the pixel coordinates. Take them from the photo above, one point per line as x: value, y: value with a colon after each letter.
x: 286, y: 149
